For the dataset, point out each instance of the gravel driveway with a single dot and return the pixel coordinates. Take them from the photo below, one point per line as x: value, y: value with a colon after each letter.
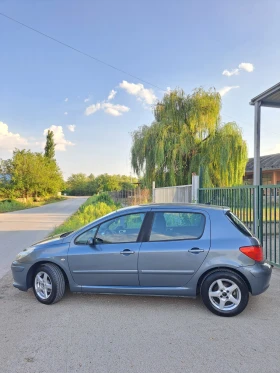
x: 120, y: 334
x: 123, y: 334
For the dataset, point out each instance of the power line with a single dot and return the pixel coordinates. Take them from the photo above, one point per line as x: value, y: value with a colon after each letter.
x: 90, y: 56
x: 79, y: 51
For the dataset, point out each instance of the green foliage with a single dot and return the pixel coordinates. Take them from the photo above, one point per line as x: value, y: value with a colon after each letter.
x: 104, y: 197
x: 29, y: 174
x: 83, y: 185
x: 50, y: 145
x: 185, y: 135
x: 94, y: 208
x: 224, y: 157
x: 11, y: 205
x: 78, y: 185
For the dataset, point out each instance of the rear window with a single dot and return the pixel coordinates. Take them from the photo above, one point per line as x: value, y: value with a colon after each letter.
x: 172, y: 226
x: 238, y: 224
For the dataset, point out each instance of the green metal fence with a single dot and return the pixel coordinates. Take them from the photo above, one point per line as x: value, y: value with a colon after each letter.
x: 269, y: 221
x: 241, y: 202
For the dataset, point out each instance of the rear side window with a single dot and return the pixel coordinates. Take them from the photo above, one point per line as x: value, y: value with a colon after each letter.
x: 171, y: 226
x: 238, y: 224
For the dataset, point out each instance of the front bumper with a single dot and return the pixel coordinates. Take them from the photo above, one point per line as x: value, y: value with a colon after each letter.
x: 258, y: 276
x: 20, y: 273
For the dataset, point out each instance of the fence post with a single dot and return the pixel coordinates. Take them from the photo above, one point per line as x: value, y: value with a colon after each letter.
x: 195, y: 187
x: 153, y: 191
x: 201, y: 176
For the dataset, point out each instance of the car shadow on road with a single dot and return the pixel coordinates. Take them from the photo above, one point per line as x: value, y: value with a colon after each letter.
x: 258, y: 307
x: 120, y: 301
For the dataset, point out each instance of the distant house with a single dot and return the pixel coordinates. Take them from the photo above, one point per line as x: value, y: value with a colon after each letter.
x: 270, y: 165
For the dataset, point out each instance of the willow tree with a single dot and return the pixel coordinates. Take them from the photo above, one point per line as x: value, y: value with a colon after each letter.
x: 187, y: 133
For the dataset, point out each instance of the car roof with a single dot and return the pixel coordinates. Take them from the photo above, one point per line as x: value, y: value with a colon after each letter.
x: 174, y: 206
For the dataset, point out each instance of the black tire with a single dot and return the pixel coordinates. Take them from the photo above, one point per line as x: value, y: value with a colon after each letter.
x: 57, y: 283
x: 241, y: 294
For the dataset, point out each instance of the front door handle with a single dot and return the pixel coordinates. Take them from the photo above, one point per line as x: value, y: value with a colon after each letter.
x: 196, y: 250
x: 127, y: 252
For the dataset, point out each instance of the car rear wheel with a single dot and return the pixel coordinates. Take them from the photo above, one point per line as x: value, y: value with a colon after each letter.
x: 224, y: 293
x: 48, y: 283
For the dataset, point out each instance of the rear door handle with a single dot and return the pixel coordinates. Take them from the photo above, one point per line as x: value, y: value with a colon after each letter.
x: 196, y: 250
x: 127, y: 252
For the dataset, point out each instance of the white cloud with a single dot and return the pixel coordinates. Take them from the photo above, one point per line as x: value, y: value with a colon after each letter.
x: 226, y: 89
x: 115, y: 110
x: 86, y: 99
x: 107, y: 107
x: 112, y: 94
x: 8, y: 140
x: 247, y: 66
x: 66, y: 99
x: 65, y: 113
x: 93, y: 109
x: 71, y: 127
x: 230, y: 73
x: 143, y: 94
x: 59, y: 137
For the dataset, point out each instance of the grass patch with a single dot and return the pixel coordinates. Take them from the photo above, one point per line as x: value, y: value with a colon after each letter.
x: 95, y: 207
x: 14, y: 205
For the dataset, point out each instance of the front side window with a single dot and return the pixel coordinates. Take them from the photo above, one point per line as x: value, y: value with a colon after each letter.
x: 122, y: 229
x: 170, y: 226
x: 84, y: 238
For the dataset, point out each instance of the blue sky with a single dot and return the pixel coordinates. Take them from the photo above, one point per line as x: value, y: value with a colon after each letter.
x: 173, y: 44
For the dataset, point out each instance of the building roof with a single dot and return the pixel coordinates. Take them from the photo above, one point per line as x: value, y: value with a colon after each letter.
x: 268, y: 163
x: 269, y: 98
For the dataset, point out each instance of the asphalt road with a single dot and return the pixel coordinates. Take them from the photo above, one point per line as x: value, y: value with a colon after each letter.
x: 20, y: 229
x: 121, y: 334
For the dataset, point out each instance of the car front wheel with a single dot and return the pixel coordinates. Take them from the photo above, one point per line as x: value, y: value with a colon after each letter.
x: 48, y: 283
x: 224, y: 293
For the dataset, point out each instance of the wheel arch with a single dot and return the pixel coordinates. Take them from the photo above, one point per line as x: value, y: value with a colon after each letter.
x: 31, y: 271
x: 222, y: 268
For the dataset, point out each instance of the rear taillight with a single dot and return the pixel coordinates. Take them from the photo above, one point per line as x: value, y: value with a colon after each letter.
x: 253, y: 252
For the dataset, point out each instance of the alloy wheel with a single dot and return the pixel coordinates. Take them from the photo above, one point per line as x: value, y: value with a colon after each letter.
x: 224, y: 294
x: 43, y: 285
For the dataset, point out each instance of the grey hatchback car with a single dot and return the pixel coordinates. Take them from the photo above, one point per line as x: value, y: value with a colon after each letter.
x: 157, y: 249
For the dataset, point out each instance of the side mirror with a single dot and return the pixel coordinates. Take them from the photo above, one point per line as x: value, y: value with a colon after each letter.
x: 91, y: 241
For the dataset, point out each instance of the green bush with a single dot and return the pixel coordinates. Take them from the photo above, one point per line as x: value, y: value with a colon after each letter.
x: 95, y: 207
x: 10, y: 205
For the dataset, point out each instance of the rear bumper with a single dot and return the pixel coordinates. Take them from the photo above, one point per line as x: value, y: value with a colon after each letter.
x: 20, y: 272
x: 258, y: 277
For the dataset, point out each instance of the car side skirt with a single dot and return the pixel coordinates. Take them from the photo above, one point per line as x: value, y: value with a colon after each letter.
x: 131, y: 290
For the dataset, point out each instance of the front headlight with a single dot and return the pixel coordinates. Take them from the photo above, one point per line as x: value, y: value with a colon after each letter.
x: 24, y: 253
